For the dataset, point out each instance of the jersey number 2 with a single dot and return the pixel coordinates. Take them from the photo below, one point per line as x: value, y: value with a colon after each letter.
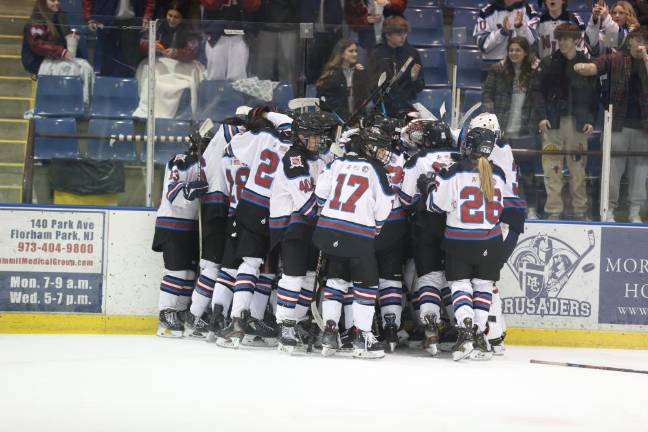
x: 471, y: 210
x: 360, y: 183
x: 266, y: 169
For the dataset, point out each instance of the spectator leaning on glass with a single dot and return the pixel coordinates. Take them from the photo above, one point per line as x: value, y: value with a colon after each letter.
x: 389, y: 57
x: 564, y: 107
x: 344, y: 83
x: 367, y: 18
x: 627, y: 70
x: 499, y: 21
x: 117, y: 40
x: 607, y: 29
x: 554, y: 14
x: 49, y: 51
x: 226, y: 50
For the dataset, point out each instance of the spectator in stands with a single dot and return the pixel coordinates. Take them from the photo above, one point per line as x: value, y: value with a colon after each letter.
x: 117, y: 51
x: 327, y: 17
x: 390, y: 56
x: 497, y: 23
x: 344, y: 82
x: 627, y: 70
x: 367, y: 18
x: 46, y: 52
x: 641, y: 10
x: 607, y: 29
x: 175, y: 69
x: 226, y: 49
x: 554, y: 14
x: 276, y: 42
x: 565, y: 105
x: 507, y: 94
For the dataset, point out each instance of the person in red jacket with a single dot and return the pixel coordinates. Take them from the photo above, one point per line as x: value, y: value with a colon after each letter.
x: 367, y: 17
x: 47, y: 51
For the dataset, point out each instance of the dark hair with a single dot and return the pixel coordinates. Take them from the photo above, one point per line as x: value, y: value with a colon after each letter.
x: 179, y: 6
x: 42, y: 14
x: 525, y: 67
x: 641, y: 33
x: 568, y: 30
x: 395, y: 24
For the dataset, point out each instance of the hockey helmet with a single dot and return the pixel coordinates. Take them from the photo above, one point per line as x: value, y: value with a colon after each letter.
x: 376, y: 144
x: 479, y: 142
x: 390, y: 127
x: 428, y: 134
x: 487, y: 121
x: 314, y: 130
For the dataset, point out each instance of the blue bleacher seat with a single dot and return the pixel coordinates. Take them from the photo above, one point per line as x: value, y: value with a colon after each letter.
x: 463, y: 25
x: 114, y: 97
x: 218, y: 100
x: 164, y: 151
x: 59, y: 96
x: 466, y: 4
x: 282, y: 94
x: 426, y: 26
x: 580, y: 5
x: 469, y: 68
x: 435, y: 66
x: 104, y: 149
x: 423, y: 3
x: 433, y: 99
x: 55, y: 148
x: 469, y: 97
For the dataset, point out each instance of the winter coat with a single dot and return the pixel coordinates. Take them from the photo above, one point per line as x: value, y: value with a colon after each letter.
x: 181, y: 38
x: 336, y: 92
x: 356, y: 11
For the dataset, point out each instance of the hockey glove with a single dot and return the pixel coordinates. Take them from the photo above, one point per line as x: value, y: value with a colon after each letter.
x: 426, y: 183
x: 194, y: 189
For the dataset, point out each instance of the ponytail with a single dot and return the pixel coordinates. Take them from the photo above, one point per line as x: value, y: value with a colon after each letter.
x: 486, y: 178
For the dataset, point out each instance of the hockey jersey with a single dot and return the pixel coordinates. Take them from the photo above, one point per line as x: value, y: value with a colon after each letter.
x: 514, y: 212
x: 176, y: 212
x: 395, y: 226
x: 547, y: 43
x: 470, y: 216
x: 356, y: 199
x: 425, y: 161
x: 236, y: 175
x: 293, y: 208
x: 488, y: 35
x: 262, y: 152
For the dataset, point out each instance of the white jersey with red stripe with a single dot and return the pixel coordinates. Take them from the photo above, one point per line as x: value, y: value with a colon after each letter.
x: 470, y: 216
x: 180, y: 170
x: 236, y: 174
x: 395, y: 174
x: 213, y: 156
x: 502, y: 156
x: 424, y: 162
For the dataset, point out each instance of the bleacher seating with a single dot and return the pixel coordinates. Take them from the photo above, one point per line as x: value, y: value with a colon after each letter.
x: 60, y: 96
x: 433, y: 99
x: 104, y: 149
x: 469, y: 68
x: 164, y: 151
x: 114, y: 97
x: 426, y: 26
x: 435, y: 66
x: 55, y: 148
x: 218, y: 100
x: 463, y: 25
x: 466, y: 4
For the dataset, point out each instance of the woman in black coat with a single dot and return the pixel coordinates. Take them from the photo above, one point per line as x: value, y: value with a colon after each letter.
x: 344, y: 83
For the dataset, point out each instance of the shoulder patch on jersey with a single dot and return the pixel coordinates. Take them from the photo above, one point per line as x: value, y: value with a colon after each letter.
x: 295, y: 164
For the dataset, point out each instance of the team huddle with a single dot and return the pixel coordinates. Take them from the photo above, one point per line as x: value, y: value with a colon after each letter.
x: 354, y: 242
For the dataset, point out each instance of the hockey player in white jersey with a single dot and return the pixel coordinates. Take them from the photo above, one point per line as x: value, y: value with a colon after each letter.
x: 497, y: 22
x: 263, y: 155
x: 437, y: 152
x: 470, y: 192
x: 356, y: 199
x: 293, y: 213
x: 176, y: 236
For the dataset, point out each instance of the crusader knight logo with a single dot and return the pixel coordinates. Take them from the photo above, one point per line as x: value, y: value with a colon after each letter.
x: 542, y: 266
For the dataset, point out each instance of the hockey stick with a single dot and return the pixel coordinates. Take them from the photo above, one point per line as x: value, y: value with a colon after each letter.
x: 578, y: 365
x: 315, y: 303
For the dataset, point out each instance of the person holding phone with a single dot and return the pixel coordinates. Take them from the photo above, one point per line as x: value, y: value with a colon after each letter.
x: 608, y: 28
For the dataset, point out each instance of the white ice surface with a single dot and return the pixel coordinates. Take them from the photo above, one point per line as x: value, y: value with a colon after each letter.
x: 144, y: 383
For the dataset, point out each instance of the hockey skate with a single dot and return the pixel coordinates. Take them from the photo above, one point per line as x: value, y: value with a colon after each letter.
x: 194, y: 326
x: 290, y: 341
x: 481, y: 348
x: 497, y: 345
x: 346, y: 342
x: 431, y: 341
x: 259, y: 333
x: 216, y: 323
x: 169, y: 324
x: 390, y: 332
x: 231, y: 336
x: 416, y: 338
x: 365, y: 345
x: 464, y: 345
x: 447, y: 335
x: 330, y: 339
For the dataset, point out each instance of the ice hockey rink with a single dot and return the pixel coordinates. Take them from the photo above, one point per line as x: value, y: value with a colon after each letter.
x: 144, y: 383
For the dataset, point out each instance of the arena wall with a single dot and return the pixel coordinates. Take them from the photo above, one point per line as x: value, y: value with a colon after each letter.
x: 91, y: 270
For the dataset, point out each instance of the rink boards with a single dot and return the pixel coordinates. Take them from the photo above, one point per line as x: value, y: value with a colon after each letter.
x: 91, y: 270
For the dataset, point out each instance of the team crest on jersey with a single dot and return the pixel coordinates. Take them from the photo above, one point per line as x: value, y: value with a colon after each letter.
x: 365, y: 169
x: 543, y: 265
x: 296, y: 162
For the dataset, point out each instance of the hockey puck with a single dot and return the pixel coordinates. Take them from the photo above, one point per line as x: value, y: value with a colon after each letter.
x: 588, y: 267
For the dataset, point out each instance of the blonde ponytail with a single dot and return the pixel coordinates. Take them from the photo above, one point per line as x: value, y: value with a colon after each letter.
x: 486, y: 178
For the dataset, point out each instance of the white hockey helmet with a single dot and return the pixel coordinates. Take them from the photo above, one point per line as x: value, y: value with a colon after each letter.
x: 486, y: 121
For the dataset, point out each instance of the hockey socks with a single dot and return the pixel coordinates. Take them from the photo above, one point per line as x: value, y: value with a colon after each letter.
x: 482, y: 299
x: 428, y: 297
x: 224, y: 288
x: 261, y: 295
x: 364, y: 301
x: 204, y: 291
x: 288, y: 289
x: 175, y: 289
x: 390, y: 297
x: 246, y: 280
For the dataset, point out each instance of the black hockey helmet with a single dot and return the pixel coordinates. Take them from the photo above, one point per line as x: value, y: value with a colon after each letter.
x: 429, y: 134
x: 479, y: 142
x: 320, y: 124
x: 389, y: 126
x: 376, y: 143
